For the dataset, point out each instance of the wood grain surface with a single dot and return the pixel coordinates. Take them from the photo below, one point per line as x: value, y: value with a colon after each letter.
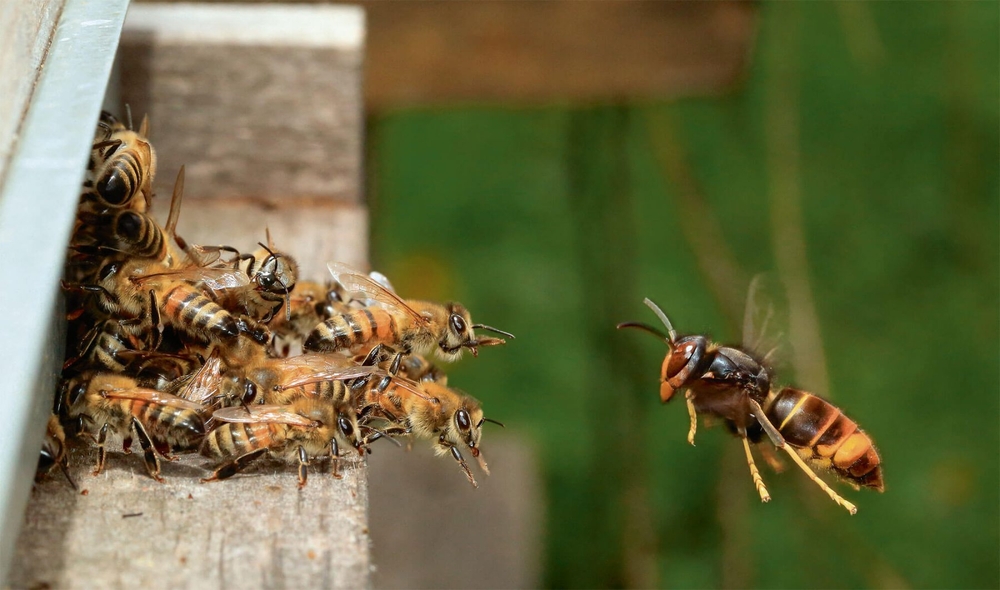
x: 122, y: 529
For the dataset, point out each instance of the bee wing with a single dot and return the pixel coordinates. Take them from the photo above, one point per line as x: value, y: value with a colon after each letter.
x: 212, y: 278
x: 765, y: 321
x: 355, y: 282
x: 382, y: 280
x: 417, y: 389
x: 153, y: 396
x: 319, y: 370
x: 204, y: 384
x: 262, y: 415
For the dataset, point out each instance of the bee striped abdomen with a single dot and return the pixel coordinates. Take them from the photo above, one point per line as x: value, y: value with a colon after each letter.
x: 330, y: 336
x: 121, y: 180
x: 178, y: 426
x: 834, y: 440
x: 196, y: 313
x: 140, y: 234
x: 235, y: 439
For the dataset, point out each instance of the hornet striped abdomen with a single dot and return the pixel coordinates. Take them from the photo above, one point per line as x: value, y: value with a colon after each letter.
x: 826, y: 437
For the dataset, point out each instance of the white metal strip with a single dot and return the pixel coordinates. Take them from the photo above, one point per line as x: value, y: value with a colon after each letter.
x: 37, y: 208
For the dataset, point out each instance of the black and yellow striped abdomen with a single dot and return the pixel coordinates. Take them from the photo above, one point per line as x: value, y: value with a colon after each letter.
x: 119, y: 178
x: 137, y: 234
x: 234, y: 439
x: 833, y: 440
x: 185, y: 308
x: 180, y: 427
x: 348, y: 331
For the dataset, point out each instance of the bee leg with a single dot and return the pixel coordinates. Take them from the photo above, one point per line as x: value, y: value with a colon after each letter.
x: 156, y: 329
x: 757, y: 480
x: 149, y: 455
x: 396, y: 362
x: 164, y: 451
x: 335, y: 458
x: 231, y: 468
x: 694, y: 417
x: 374, y: 356
x: 64, y: 466
x: 102, y: 453
x: 88, y: 343
x: 779, y: 441
x: 465, y: 467
x: 303, y: 467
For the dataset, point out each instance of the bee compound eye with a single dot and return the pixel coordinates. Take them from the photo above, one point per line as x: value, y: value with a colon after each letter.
x: 458, y: 323
x: 463, y: 420
x: 345, y: 426
x: 249, y: 392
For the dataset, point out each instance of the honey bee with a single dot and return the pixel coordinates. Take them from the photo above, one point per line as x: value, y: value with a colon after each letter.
x: 127, y: 290
x: 397, y: 406
x: 121, y: 168
x: 736, y: 386
x: 114, y: 404
x: 409, y: 326
x: 256, y: 291
x: 296, y: 433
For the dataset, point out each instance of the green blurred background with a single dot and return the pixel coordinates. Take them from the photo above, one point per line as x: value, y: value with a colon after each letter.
x: 866, y: 178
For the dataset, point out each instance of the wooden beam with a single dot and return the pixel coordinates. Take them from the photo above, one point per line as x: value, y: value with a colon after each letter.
x: 439, y: 52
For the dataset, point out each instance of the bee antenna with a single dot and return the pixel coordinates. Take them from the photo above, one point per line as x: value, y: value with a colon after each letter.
x: 383, y: 434
x: 646, y: 327
x: 491, y: 329
x: 663, y: 317
x: 269, y: 251
x: 128, y: 115
x: 497, y: 422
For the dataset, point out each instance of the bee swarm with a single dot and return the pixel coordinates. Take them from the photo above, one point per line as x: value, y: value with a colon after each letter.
x: 185, y: 348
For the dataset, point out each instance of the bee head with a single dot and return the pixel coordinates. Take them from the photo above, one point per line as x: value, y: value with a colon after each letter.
x: 460, y: 333
x: 277, y: 273
x: 348, y: 429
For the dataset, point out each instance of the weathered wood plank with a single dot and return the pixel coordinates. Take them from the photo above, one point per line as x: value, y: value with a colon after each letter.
x: 256, y: 101
x: 122, y: 529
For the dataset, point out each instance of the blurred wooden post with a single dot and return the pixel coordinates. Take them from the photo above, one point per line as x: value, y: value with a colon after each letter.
x: 263, y: 106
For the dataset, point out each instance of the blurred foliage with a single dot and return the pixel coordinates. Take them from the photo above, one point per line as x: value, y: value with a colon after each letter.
x: 554, y: 223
